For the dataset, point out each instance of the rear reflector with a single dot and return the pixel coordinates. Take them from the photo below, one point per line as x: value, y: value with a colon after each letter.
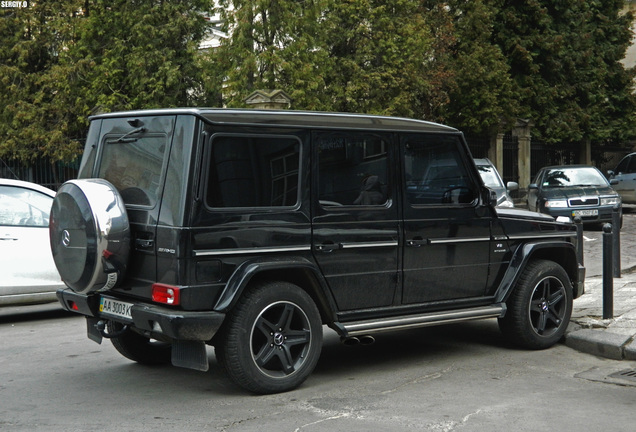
x: 165, y: 294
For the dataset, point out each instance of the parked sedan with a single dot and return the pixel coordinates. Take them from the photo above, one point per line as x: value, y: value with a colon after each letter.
x: 573, y: 190
x: 625, y: 176
x: 29, y: 275
x: 493, y: 180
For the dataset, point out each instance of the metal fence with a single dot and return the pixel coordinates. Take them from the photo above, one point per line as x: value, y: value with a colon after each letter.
x: 53, y: 174
x: 607, y: 157
x: 604, y: 157
x: 542, y: 155
x: 478, y: 145
x: 41, y: 171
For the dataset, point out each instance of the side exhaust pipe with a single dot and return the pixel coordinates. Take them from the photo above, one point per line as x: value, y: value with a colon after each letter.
x: 367, y: 340
x: 350, y: 341
x: 353, y: 340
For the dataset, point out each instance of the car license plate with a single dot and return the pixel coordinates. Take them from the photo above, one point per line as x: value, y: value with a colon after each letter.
x: 112, y: 307
x: 583, y: 213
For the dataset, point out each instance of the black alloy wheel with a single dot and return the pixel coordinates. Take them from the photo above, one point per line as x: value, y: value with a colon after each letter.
x: 271, y: 339
x: 540, y: 306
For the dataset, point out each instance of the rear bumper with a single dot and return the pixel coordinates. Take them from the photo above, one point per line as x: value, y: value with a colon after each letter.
x: 158, y: 320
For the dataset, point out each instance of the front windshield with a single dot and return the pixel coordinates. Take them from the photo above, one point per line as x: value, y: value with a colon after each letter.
x: 573, y: 177
x: 489, y: 176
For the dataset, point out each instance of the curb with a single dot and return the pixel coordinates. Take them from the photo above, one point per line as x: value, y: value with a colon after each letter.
x: 602, y: 343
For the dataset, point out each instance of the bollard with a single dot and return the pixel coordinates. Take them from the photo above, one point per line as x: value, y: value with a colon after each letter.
x: 579, y: 239
x: 608, y: 281
x: 616, y: 240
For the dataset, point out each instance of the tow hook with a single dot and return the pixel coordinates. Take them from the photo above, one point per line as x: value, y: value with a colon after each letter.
x: 101, y: 327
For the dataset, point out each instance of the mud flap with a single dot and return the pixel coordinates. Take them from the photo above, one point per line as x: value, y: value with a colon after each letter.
x: 92, y: 331
x: 190, y: 355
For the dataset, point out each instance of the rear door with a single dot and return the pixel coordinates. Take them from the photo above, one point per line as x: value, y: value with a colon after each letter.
x: 446, y: 231
x: 133, y: 157
x: 26, y: 263
x: 355, y: 217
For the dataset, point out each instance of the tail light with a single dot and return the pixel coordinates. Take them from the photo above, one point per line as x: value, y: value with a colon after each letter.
x: 165, y: 294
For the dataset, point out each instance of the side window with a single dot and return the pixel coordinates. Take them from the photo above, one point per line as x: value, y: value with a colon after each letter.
x: 24, y: 207
x: 631, y: 168
x: 621, y: 168
x: 434, y: 172
x: 352, y: 169
x: 253, y: 171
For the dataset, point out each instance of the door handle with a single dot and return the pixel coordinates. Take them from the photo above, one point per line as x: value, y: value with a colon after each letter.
x: 416, y: 242
x: 328, y: 247
x: 144, y: 243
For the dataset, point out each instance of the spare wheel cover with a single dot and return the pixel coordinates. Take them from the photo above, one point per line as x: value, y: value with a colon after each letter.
x: 90, y: 235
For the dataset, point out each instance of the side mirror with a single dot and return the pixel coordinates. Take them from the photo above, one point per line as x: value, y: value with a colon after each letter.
x: 489, y: 197
x: 458, y: 195
x: 613, y: 182
x: 533, y: 186
x: 512, y: 186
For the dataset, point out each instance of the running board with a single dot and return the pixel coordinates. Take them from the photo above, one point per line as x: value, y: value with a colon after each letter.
x: 356, y: 328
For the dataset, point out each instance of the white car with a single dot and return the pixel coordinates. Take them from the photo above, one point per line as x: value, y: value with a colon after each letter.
x: 27, y: 272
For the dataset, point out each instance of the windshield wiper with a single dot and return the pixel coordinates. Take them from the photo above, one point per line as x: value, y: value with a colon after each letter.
x: 125, y: 137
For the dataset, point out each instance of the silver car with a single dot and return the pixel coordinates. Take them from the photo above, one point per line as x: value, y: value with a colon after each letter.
x: 493, y: 180
x: 29, y: 275
x: 625, y: 176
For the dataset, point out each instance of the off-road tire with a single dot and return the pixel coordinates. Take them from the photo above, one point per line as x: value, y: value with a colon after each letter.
x: 271, y: 340
x: 138, y: 348
x: 540, y: 306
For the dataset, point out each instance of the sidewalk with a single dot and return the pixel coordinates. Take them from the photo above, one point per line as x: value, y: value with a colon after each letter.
x: 610, y: 338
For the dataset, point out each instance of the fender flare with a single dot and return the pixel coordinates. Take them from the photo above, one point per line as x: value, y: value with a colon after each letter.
x: 245, y: 272
x: 520, y: 259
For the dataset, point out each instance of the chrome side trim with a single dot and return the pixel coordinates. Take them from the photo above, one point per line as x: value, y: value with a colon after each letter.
x: 250, y: 251
x: 423, y: 320
x: 543, y: 235
x: 369, y: 244
x: 458, y: 240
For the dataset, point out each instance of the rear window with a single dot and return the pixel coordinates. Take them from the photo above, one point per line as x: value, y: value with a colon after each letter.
x: 134, y: 167
x: 253, y: 171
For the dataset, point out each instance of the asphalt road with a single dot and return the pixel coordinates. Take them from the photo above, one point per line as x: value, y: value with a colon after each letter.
x: 456, y: 378
x: 453, y: 378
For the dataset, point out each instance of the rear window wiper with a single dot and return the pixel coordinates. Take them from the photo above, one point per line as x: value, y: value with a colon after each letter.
x: 125, y: 138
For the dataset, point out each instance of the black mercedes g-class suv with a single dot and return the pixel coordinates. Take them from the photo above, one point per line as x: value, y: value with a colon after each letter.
x: 249, y: 230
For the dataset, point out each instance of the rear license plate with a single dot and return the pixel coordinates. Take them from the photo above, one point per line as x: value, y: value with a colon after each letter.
x: 583, y: 213
x: 116, y: 308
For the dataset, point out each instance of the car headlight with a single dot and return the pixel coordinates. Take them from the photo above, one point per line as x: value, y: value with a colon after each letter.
x: 556, y: 203
x: 506, y: 202
x: 610, y: 201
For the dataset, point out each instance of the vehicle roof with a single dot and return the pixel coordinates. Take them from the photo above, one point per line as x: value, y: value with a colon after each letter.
x: 482, y: 161
x: 302, y: 119
x: 28, y: 185
x: 553, y: 167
